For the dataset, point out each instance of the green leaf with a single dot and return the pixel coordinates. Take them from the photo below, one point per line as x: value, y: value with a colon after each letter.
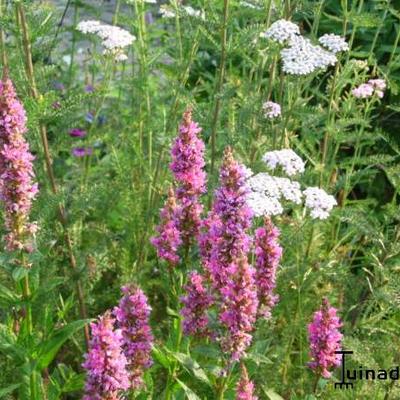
x: 19, y: 273
x: 161, y: 357
x: 50, y: 347
x: 8, y: 389
x: 192, y: 366
x: 189, y: 392
x: 271, y: 394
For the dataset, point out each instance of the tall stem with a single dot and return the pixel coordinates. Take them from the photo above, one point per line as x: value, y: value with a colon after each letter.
x: 220, y: 82
x: 49, y: 167
x: 4, y: 59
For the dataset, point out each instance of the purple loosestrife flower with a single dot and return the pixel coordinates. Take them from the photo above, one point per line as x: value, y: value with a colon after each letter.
x: 239, y: 309
x: 230, y: 218
x: 187, y: 167
x: 17, y: 189
x: 132, y: 316
x: 76, y: 132
x: 268, y: 254
x: 196, y: 303
x: 245, y: 387
x: 325, y: 338
x: 168, y: 239
x: 105, y: 362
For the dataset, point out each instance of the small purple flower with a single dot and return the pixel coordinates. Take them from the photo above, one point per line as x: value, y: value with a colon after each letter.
x: 105, y: 363
x: 325, y: 338
x: 245, y: 387
x: 132, y: 316
x: 58, y: 86
x: 89, y: 88
x: 56, y: 105
x: 196, y: 303
x: 76, y: 132
x: 82, y: 151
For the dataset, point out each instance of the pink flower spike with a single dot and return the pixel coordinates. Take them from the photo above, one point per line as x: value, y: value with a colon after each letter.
x: 245, y: 387
x: 17, y: 186
x: 325, y: 339
x: 76, y: 132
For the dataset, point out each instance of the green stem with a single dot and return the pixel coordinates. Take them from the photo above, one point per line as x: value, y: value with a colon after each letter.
x: 49, y: 167
x: 73, y: 45
x: 218, y: 91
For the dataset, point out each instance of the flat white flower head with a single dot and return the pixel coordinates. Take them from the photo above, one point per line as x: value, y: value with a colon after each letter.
x: 262, y: 205
x: 287, y: 159
x: 319, y: 202
x: 302, y: 57
x: 167, y: 12
x: 334, y: 43
x: 114, y: 38
x: 281, y: 31
x: 271, y: 110
x: 191, y: 12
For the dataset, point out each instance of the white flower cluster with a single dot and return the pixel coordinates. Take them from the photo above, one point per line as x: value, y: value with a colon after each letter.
x: 254, y: 4
x: 319, y: 202
x: 334, y: 43
x: 267, y: 192
x: 168, y: 12
x: 290, y: 162
x: 271, y: 110
x: 114, y: 38
x: 281, y: 31
x: 301, y: 57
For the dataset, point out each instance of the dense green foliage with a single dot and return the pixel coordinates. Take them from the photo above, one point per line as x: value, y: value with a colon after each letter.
x: 112, y: 199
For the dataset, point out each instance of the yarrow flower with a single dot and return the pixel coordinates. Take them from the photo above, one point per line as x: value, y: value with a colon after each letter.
x: 373, y: 86
x: 302, y: 57
x: 281, y: 31
x: 169, y: 237
x: 319, y: 202
x: 132, y: 316
x: 105, y: 363
x: 271, y: 110
x: 325, y: 339
x: 268, y: 254
x: 267, y: 192
x: 17, y: 187
x: 290, y: 162
x: 196, y: 303
x: 245, y: 387
x: 114, y: 38
x: 191, y: 12
x: 334, y: 43
x: 188, y: 168
x: 167, y: 12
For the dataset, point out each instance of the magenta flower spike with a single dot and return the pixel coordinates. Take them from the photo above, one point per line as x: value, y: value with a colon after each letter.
x: 268, y: 254
x: 132, y: 315
x: 77, y: 132
x: 238, y: 309
x: 187, y: 167
x: 229, y: 220
x: 17, y: 187
x: 196, y: 303
x: 168, y: 239
x: 245, y: 387
x: 325, y: 338
x: 105, y: 363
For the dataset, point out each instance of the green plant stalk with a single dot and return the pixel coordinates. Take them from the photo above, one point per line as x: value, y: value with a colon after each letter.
x: 4, y: 59
x: 222, y: 385
x: 73, y: 45
x: 144, y: 75
x: 218, y: 90
x: 49, y: 167
x: 353, y: 33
